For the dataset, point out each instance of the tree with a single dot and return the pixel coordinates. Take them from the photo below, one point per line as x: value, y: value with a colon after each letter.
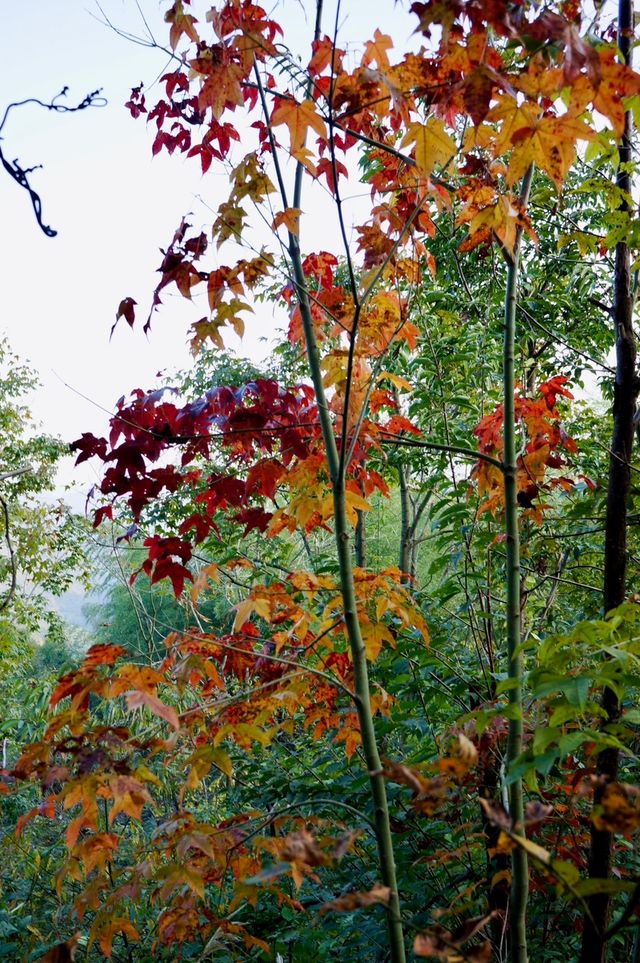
x: 466, y: 146
x: 43, y: 541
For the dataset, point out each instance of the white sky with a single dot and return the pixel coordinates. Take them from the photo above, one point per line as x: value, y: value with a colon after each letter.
x: 111, y: 202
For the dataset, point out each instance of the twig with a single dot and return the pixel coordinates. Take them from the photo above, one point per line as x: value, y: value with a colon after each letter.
x: 21, y: 174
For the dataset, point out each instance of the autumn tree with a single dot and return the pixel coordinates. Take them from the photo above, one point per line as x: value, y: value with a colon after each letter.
x: 487, y: 151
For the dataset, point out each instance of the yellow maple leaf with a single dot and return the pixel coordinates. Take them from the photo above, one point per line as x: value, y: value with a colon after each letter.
x: 245, y: 609
x: 229, y: 222
x: 250, y: 180
x: 433, y: 145
x: 532, y: 136
x: 305, y: 157
x: 551, y: 144
x: 400, y: 383
x: 374, y: 636
x: 510, y: 116
x: 355, y: 503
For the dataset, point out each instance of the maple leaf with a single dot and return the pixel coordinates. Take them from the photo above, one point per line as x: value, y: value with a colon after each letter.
x: 374, y: 636
x: 244, y: 609
x: 349, y: 734
x: 618, y: 809
x: 325, y: 55
x: 221, y: 88
x: 503, y: 217
x: 533, y: 136
x: 126, y: 310
x: 229, y: 222
x: 290, y: 218
x: 551, y: 144
x: 609, y: 91
x: 330, y: 168
x: 320, y: 267
x: 129, y: 796
x: 442, y: 13
x: 181, y: 22
x: 250, y: 180
x: 433, y: 145
x: 138, y: 698
x: 305, y: 156
x: 264, y: 477
x: 201, y: 762
x: 357, y: 900
x: 110, y: 928
x: 96, y: 850
x: 440, y: 944
x: 376, y: 50
x: 298, y: 118
x: 62, y: 952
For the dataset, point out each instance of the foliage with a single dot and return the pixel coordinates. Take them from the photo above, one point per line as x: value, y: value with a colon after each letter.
x: 43, y: 541
x: 324, y: 743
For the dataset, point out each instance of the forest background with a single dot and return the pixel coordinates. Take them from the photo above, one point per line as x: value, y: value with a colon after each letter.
x: 350, y: 688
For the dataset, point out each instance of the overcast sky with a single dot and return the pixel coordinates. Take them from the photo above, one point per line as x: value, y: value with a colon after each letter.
x: 112, y: 204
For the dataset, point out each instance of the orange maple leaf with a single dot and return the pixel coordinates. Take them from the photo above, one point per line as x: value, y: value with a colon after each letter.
x: 376, y: 49
x: 116, y: 924
x: 139, y: 698
x: 617, y: 82
x: 129, y: 796
x: 221, y: 89
x: 298, y: 118
x: 181, y: 22
x: 503, y: 218
x: 290, y: 218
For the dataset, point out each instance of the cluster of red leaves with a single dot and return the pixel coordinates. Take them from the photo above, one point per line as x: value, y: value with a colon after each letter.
x: 271, y: 440
x: 262, y: 427
x: 545, y: 445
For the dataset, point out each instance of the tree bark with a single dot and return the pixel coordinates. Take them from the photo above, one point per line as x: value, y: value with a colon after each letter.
x: 405, y: 526
x: 594, y: 947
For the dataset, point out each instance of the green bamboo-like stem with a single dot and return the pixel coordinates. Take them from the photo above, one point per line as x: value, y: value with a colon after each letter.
x: 358, y: 652
x: 343, y: 536
x: 519, y: 864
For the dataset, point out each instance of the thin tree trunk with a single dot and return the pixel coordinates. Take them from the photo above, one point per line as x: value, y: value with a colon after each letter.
x: 361, y: 540
x: 344, y: 551
x: 519, y: 862
x: 594, y: 947
x: 405, y: 526
x: 358, y: 652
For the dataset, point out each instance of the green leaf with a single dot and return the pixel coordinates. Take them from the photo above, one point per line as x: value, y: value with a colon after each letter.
x: 576, y: 690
